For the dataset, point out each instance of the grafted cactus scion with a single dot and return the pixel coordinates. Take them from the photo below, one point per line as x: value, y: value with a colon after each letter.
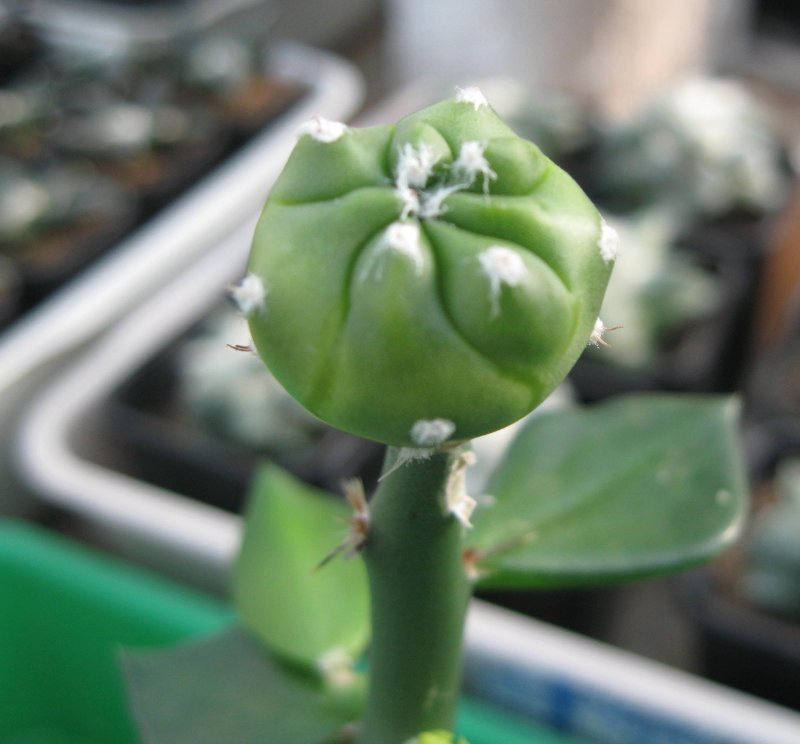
x: 424, y: 282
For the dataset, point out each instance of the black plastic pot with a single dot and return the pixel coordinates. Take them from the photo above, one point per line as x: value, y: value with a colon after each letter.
x: 738, y: 643
x: 741, y: 647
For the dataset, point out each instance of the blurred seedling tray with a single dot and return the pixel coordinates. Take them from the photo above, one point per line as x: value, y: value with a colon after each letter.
x: 109, y: 112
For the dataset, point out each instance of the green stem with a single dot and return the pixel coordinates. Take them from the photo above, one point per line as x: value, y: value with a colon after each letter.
x: 419, y: 596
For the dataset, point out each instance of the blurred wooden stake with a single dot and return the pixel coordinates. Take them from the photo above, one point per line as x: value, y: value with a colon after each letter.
x: 779, y: 299
x: 642, y: 48
x: 615, y: 55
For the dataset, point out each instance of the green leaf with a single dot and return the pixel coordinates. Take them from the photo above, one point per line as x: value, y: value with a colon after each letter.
x: 305, y: 613
x: 226, y: 688
x: 637, y: 486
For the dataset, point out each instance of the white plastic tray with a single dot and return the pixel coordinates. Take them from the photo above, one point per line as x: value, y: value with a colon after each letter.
x: 602, y: 694
x: 192, y: 539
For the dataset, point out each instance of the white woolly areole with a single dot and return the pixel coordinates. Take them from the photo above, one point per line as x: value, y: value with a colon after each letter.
x: 596, y: 339
x: 471, y: 95
x: 432, y: 203
x: 403, y: 237
x: 415, y: 166
x: 322, y: 130
x: 249, y: 295
x: 502, y: 266
x: 431, y: 432
x: 406, y: 455
x: 410, y: 200
x: 471, y: 162
x: 336, y: 667
x: 609, y: 242
x: 458, y: 502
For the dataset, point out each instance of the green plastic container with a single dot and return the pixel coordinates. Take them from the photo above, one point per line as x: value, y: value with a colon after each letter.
x: 64, y: 614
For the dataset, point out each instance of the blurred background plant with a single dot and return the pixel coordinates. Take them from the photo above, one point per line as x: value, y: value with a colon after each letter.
x: 771, y: 577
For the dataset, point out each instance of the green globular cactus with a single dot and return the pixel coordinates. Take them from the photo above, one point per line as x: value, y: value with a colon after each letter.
x: 424, y: 282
